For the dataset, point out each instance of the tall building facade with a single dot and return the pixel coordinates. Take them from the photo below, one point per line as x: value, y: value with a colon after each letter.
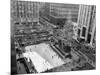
x: 25, y: 11
x: 86, y: 23
x: 58, y: 14
x: 68, y: 11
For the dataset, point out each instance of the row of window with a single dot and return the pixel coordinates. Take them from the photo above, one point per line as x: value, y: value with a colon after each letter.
x: 25, y: 9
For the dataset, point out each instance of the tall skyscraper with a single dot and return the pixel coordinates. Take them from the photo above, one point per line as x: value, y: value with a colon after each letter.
x: 86, y: 22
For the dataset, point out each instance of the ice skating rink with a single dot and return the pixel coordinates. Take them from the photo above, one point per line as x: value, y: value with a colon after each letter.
x: 43, y: 57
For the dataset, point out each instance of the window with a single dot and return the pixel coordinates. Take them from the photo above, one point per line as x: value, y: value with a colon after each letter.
x: 83, y: 31
x: 79, y: 32
x: 89, y: 38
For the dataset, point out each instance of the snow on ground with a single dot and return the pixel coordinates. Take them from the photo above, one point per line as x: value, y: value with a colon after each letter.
x: 40, y: 63
x: 43, y: 57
